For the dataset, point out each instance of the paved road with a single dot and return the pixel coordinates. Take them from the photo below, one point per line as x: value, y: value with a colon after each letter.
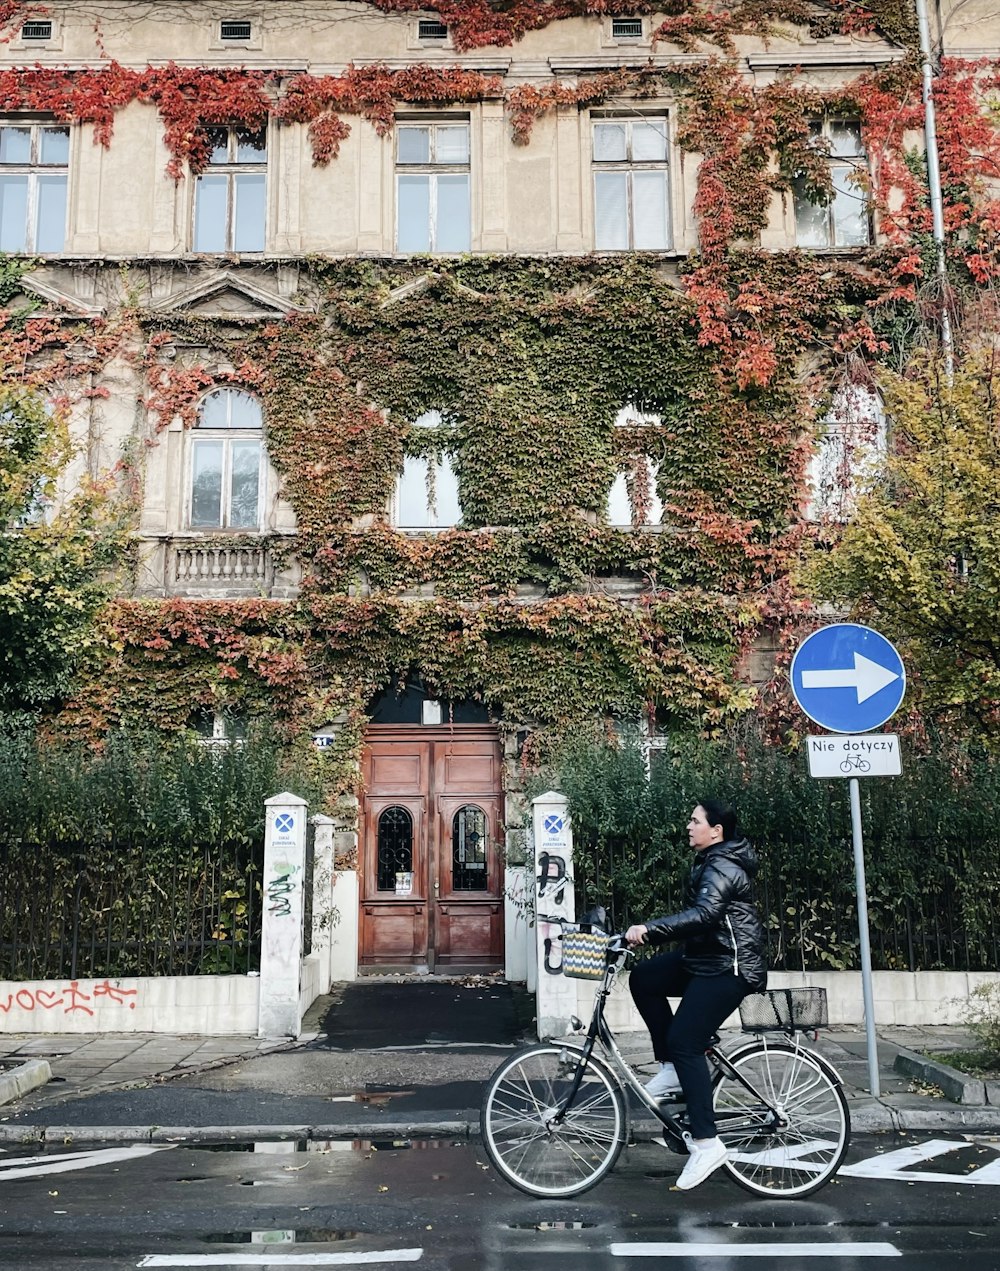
x: 914, y: 1202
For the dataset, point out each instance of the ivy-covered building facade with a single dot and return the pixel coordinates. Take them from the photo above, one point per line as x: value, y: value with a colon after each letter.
x: 458, y: 374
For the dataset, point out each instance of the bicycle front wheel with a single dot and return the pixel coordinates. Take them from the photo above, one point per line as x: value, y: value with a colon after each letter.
x: 526, y: 1143
x: 796, y: 1148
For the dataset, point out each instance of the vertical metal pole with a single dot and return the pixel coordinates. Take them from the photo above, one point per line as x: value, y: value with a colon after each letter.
x: 934, y: 181
x: 866, y: 952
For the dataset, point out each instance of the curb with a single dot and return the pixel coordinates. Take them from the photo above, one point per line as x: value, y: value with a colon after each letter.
x: 872, y: 1118
x: 958, y: 1086
x: 15, y: 1082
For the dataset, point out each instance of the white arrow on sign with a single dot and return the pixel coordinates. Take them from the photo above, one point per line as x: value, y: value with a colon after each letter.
x: 866, y: 676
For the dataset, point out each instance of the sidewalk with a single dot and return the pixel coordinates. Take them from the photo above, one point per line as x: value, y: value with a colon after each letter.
x: 146, y: 1087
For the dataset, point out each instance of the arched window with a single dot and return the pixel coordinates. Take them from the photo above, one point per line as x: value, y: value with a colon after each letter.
x: 622, y: 511
x: 852, y: 441
x: 227, y: 468
x: 395, y: 846
x: 469, y: 839
x: 427, y: 490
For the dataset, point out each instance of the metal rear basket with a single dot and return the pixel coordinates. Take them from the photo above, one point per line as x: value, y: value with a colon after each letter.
x: 784, y: 1010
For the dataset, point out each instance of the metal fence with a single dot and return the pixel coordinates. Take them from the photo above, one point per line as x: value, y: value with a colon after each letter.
x: 75, y: 911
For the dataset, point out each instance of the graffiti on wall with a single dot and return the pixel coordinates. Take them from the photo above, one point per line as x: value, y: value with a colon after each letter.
x: 280, y: 888
x: 71, y: 998
x: 551, y: 882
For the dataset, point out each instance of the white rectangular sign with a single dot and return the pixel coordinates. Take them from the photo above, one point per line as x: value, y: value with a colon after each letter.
x: 862, y: 755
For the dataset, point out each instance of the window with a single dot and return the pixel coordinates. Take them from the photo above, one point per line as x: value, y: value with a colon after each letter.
x: 428, y: 29
x: 230, y: 199
x: 630, y: 185
x: 34, y: 160
x: 427, y: 490
x: 469, y: 837
x: 626, y: 28
x: 432, y: 187
x: 623, y: 510
x: 219, y: 727
x: 844, y: 221
x: 854, y: 437
x: 227, y: 469
x: 234, y: 31
x: 395, y: 846
x: 36, y: 31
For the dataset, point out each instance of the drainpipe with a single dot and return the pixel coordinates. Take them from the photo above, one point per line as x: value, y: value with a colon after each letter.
x: 934, y: 182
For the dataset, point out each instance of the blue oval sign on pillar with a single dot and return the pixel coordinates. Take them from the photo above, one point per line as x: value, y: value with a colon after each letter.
x: 848, y: 678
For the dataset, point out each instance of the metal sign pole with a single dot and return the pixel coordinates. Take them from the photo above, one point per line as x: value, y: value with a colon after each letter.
x: 866, y: 952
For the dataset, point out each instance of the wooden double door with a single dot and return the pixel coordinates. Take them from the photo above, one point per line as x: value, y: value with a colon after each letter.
x: 432, y: 875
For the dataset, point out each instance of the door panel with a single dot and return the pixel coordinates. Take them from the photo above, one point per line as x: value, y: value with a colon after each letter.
x: 448, y: 781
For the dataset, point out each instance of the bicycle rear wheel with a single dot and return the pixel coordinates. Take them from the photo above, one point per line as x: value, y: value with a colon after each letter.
x: 539, y: 1155
x: 806, y: 1148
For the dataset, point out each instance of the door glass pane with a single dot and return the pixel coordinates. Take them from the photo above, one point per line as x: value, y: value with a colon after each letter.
x: 610, y: 143
x: 469, y: 837
x: 413, y: 226
x: 619, y: 506
x: 13, y: 213
x: 610, y: 211
x: 250, y: 212
x: 413, y: 145
x: 395, y: 847
x: 649, y: 210
x: 206, y: 485
x: 812, y: 220
x: 210, y: 214
x: 243, y: 511
x: 50, y: 231
x: 649, y: 141
x: 453, y: 231
x: 55, y: 146
x: 849, y: 214
x: 452, y: 144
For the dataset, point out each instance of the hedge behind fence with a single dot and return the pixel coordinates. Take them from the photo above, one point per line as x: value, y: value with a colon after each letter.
x: 931, y: 848
x: 141, y: 859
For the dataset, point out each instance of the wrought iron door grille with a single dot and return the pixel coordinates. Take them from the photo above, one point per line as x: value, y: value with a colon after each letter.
x: 469, y: 837
x: 395, y: 846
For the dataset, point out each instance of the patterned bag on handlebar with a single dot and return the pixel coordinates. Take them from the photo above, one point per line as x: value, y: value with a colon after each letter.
x: 583, y: 954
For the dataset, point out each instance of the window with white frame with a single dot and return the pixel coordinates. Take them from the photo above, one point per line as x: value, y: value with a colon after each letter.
x: 219, y: 727
x: 34, y: 170
x: 852, y: 441
x: 230, y: 206
x: 631, y: 184
x: 843, y: 221
x: 427, y: 490
x: 227, y: 468
x: 627, y: 506
x: 433, y: 209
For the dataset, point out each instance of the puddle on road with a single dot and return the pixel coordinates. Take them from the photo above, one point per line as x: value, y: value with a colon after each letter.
x: 550, y: 1226
x: 300, y: 1236
x: 280, y: 1147
x: 372, y: 1096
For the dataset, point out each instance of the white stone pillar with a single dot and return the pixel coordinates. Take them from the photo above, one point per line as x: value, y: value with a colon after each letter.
x: 281, y: 933
x: 516, y: 907
x: 322, y: 906
x: 555, y: 995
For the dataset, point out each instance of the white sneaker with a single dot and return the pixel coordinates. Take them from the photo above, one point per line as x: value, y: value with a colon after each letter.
x: 664, y: 1083
x: 702, y: 1162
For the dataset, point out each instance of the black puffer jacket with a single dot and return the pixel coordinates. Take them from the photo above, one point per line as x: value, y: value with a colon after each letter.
x: 719, y: 925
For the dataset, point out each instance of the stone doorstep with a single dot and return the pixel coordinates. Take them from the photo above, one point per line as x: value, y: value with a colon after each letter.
x: 958, y: 1086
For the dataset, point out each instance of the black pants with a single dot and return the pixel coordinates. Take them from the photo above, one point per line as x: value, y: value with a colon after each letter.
x: 706, y: 1000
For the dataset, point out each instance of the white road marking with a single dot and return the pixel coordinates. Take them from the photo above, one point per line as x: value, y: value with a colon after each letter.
x: 280, y: 1259
x: 850, y: 1249
x: 783, y: 1155
x: 37, y: 1167
x: 896, y: 1165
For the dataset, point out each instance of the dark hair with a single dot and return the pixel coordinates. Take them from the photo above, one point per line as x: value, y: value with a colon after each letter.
x: 719, y: 813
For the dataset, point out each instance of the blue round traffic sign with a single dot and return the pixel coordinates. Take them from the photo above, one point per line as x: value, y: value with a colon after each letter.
x: 848, y: 678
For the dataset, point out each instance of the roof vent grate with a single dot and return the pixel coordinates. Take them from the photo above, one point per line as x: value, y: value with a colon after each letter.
x: 234, y: 30
x: 626, y: 28
x: 36, y: 31
x: 428, y: 29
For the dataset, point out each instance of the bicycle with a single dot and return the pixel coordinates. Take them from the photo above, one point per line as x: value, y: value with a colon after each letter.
x: 555, y: 1116
x: 855, y: 763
